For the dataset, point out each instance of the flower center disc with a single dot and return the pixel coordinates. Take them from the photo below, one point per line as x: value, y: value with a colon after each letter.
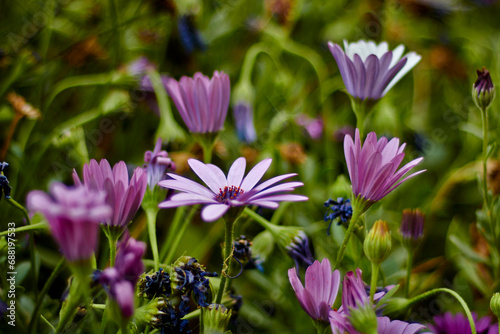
x: 228, y: 193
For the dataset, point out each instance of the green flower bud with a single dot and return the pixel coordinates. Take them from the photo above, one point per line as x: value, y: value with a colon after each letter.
x: 483, y: 90
x: 377, y: 244
x: 364, y: 319
x: 216, y: 318
x: 149, y: 312
x: 495, y: 304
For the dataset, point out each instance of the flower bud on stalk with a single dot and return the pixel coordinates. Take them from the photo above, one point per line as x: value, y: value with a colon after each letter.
x: 377, y: 244
x: 364, y: 319
x: 495, y: 304
x: 483, y: 90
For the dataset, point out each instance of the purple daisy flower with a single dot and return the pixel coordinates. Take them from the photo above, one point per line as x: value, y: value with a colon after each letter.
x: 123, y: 196
x: 459, y: 324
x: 373, y: 166
x: 369, y: 70
x: 320, y: 291
x: 225, y: 192
x: 202, y: 102
x: 313, y: 126
x: 157, y: 163
x: 73, y: 214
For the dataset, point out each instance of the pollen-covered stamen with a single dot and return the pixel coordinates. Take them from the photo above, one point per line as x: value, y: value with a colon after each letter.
x: 228, y: 193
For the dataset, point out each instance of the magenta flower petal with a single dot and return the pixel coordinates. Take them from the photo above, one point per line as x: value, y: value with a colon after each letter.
x: 122, y: 195
x: 73, y: 215
x: 373, y: 166
x: 386, y: 326
x: 320, y: 291
x: 226, y: 192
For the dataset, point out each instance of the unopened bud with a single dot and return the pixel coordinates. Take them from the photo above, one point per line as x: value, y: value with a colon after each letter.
x: 483, y: 90
x: 364, y: 319
x: 377, y: 244
x: 495, y: 304
x: 216, y: 318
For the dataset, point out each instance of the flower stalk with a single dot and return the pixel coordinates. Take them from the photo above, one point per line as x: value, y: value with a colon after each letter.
x: 228, y: 247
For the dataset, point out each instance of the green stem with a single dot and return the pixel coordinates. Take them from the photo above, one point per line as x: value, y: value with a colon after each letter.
x: 202, y: 325
x: 350, y: 229
x: 228, y: 247
x: 174, y: 227
x: 123, y: 326
x: 37, y: 226
x: 47, y: 323
x: 408, y: 272
x: 41, y: 296
x: 320, y: 326
x: 21, y: 208
x: 454, y: 294
x: 68, y: 310
x: 359, y: 109
x: 487, y: 207
x: 180, y: 234
x: 151, y: 213
x: 373, y: 284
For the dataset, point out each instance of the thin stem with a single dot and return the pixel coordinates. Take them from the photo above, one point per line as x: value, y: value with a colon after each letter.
x: 228, y: 246
x: 350, y: 229
x: 359, y: 109
x: 41, y: 296
x: 484, y: 118
x: 179, y: 235
x: 47, y: 323
x: 202, y: 325
x: 408, y: 272
x: 34, y: 227
x: 373, y: 284
x: 454, y: 294
x: 112, y: 251
x: 21, y: 208
x: 174, y: 227
x: 123, y: 326
x: 151, y: 213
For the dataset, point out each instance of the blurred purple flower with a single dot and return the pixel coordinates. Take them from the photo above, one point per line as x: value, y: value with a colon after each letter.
x: 233, y: 190
x: 123, y: 197
x: 313, y: 126
x: 74, y: 214
x: 120, y: 280
x: 202, y: 102
x: 459, y: 324
x: 300, y: 251
x: 369, y: 70
x: 372, y: 168
x: 320, y: 291
x: 243, y: 120
x: 156, y: 164
x: 139, y: 67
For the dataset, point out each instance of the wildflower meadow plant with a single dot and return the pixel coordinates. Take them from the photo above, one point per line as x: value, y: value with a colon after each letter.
x: 121, y: 111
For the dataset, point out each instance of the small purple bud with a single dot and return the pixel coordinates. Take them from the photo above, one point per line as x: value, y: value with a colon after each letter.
x: 412, y: 225
x: 483, y: 90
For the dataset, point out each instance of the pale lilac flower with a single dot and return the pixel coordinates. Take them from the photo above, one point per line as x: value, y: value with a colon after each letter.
x: 386, y: 326
x: 459, y: 324
x: 353, y: 291
x: 123, y: 196
x: 243, y: 120
x: 73, y: 214
x: 231, y: 191
x: 320, y: 291
x: 313, y: 126
x: 139, y: 67
x: 157, y: 163
x: 202, y: 102
x: 373, y: 166
x: 369, y: 70
x: 119, y: 281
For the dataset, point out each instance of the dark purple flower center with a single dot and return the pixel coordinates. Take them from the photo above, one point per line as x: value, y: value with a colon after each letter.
x: 228, y: 193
